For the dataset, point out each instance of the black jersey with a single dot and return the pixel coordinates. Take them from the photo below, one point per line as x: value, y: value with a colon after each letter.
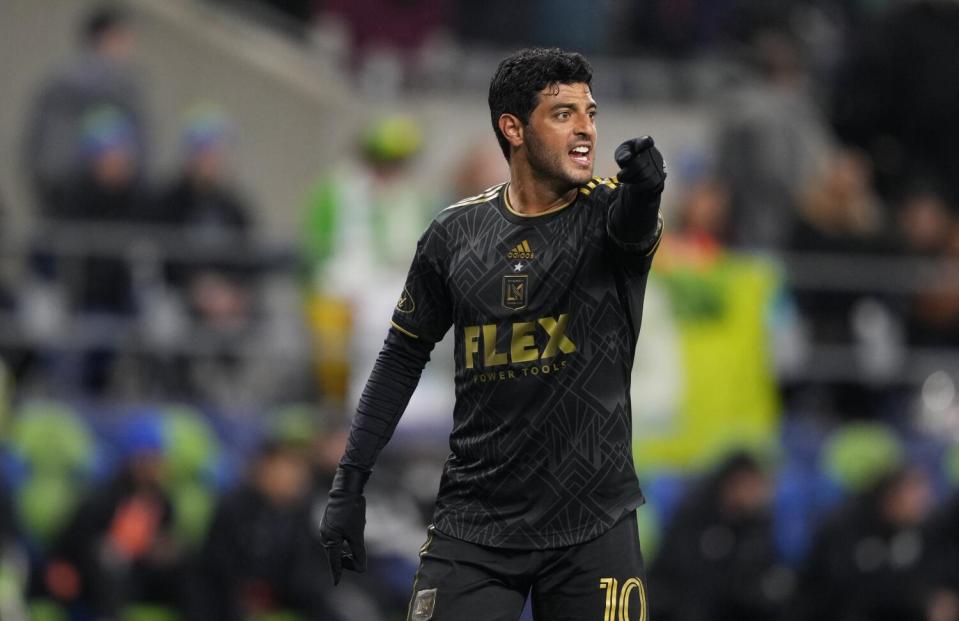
x: 546, y: 310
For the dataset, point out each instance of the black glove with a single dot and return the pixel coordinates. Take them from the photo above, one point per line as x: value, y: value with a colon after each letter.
x: 642, y: 165
x: 341, y: 529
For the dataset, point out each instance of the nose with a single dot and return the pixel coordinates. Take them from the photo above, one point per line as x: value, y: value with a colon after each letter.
x: 585, y: 127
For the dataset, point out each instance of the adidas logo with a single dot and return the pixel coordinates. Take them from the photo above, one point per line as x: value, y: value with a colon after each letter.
x: 521, y: 251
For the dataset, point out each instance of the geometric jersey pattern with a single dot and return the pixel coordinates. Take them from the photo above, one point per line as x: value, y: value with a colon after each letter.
x: 545, y: 312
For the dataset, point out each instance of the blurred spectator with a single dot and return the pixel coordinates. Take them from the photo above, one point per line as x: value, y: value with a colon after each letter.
x: 102, y: 76
x: 934, y: 316
x: 838, y: 214
x: 119, y: 548
x: 896, y: 97
x: 106, y: 191
x: 361, y: 223
x: 867, y: 559
x: 260, y: 556
x: 943, y: 603
x: 208, y: 214
x: 925, y: 221
x: 931, y: 231
x: 709, y: 323
x: 718, y: 559
x: 772, y: 142
x: 97, y: 275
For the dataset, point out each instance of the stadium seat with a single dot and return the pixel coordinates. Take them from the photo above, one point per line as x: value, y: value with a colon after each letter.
x: 297, y: 422
x: 56, y: 450
x: 192, y: 447
x: 46, y: 610
x: 857, y: 455
x: 52, y: 438
x: 193, y: 505
x: 147, y: 612
x: 44, y: 504
x: 192, y: 450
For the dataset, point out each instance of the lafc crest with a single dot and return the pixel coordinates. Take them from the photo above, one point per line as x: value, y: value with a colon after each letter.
x: 405, y: 304
x: 515, y: 291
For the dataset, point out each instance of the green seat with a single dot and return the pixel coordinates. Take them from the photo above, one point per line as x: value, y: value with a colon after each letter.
x: 148, y: 612
x: 191, y: 447
x: 857, y: 455
x: 190, y: 444
x: 44, y: 503
x: 58, y: 450
x: 296, y: 423
x: 193, y: 505
x: 51, y: 438
x: 46, y: 610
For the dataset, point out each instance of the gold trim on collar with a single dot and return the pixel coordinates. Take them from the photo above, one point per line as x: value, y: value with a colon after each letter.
x: 510, y: 209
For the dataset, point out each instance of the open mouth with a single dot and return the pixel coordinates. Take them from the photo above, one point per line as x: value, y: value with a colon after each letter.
x: 580, y: 155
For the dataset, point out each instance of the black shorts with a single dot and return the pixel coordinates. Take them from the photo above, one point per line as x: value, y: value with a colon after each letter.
x: 602, y: 580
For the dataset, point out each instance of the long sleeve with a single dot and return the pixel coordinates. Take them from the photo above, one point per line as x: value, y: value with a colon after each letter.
x: 635, y: 223
x: 387, y: 392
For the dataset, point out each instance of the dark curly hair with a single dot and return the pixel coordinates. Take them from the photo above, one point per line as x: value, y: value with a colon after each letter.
x: 520, y: 77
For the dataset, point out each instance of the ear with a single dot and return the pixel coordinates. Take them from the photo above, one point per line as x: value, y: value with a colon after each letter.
x: 512, y: 129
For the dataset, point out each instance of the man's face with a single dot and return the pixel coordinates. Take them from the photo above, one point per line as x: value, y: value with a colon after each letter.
x: 561, y: 135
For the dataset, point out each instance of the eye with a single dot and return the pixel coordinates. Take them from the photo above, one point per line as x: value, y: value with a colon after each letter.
x: 592, y: 114
x: 562, y: 116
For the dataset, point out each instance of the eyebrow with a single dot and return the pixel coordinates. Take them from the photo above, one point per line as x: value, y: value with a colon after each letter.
x: 572, y: 106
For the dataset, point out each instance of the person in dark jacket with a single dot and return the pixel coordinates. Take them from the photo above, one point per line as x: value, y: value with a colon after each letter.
x: 103, y: 75
x: 867, y: 559
x: 718, y: 560
x: 260, y: 555
x: 206, y: 212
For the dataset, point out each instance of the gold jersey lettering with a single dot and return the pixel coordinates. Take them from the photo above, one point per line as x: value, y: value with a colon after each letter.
x: 522, y: 346
x: 556, y: 328
x: 491, y: 357
x: 471, y: 334
x: 522, y: 341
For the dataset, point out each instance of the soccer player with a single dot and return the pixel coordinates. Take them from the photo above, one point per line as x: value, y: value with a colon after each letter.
x: 542, y: 279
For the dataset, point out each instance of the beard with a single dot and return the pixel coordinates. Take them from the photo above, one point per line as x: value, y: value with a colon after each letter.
x: 553, y: 165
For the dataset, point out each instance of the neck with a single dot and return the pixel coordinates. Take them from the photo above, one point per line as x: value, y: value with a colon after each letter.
x: 530, y: 194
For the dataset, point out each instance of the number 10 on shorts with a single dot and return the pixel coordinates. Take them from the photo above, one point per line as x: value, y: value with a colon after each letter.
x: 619, y: 599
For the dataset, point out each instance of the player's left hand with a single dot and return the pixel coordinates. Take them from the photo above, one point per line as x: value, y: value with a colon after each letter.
x: 341, y: 529
x: 641, y: 165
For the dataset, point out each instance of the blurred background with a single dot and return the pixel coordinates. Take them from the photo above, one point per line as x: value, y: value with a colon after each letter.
x: 207, y: 209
